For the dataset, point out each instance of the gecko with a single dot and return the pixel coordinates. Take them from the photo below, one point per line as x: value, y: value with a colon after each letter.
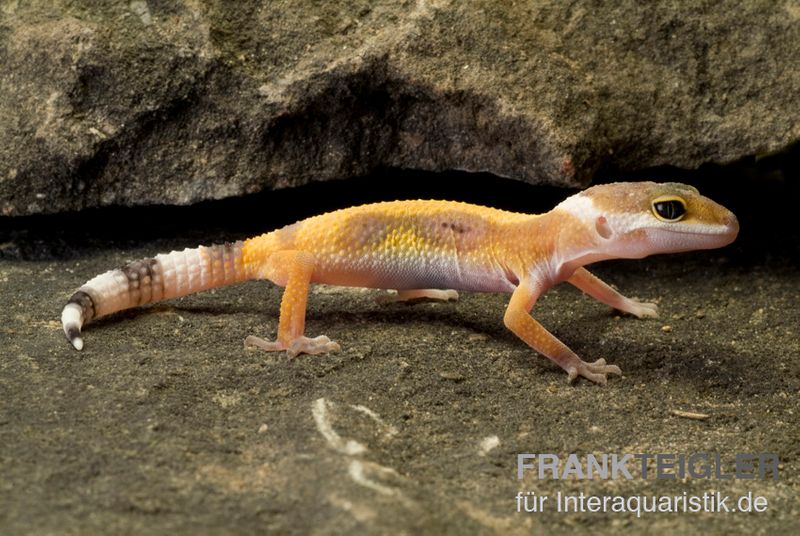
x: 429, y: 250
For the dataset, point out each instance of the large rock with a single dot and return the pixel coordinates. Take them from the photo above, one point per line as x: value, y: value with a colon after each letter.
x: 175, y: 101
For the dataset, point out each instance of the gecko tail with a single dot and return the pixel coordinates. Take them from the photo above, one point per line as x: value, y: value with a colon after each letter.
x: 162, y: 277
x: 72, y: 321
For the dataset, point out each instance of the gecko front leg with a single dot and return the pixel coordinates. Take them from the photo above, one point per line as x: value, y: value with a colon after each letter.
x: 292, y: 269
x: 520, y: 322
x: 417, y: 295
x: 597, y: 289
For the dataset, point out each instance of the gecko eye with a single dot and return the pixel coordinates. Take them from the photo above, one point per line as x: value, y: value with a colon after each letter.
x: 668, y: 208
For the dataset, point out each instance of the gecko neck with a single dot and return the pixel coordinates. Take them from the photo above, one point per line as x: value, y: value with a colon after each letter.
x: 555, y: 244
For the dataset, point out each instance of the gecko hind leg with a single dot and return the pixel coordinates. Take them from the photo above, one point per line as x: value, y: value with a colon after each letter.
x: 293, y: 269
x: 417, y: 296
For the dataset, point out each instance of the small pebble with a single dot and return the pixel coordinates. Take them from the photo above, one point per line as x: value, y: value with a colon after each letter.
x: 451, y: 376
x: 666, y: 329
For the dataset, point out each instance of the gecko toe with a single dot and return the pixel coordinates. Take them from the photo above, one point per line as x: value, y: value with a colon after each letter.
x: 641, y: 309
x: 385, y: 297
x: 315, y: 345
x: 648, y: 310
x: 596, y: 372
x: 268, y: 346
x: 411, y: 297
x: 301, y: 345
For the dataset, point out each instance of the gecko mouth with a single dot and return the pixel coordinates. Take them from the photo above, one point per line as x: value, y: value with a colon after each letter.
x: 722, y: 232
x: 731, y: 228
x: 676, y: 240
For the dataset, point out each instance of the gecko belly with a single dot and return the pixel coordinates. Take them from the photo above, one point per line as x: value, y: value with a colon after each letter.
x: 421, y: 273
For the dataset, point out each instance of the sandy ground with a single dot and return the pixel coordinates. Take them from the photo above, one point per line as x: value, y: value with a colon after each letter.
x: 166, y: 423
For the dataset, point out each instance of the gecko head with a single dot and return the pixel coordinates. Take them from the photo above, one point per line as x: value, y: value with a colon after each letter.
x: 636, y: 219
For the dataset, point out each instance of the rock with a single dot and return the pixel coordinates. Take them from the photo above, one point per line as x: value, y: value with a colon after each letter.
x: 176, y: 101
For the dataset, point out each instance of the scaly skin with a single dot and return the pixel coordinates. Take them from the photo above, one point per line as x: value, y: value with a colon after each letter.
x: 426, y: 250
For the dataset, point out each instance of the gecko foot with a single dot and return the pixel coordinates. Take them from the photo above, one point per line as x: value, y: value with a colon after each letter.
x: 416, y: 296
x: 301, y: 345
x: 312, y: 345
x: 640, y: 309
x: 595, y: 372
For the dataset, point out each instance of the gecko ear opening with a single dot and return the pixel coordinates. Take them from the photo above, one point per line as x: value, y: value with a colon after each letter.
x: 602, y: 227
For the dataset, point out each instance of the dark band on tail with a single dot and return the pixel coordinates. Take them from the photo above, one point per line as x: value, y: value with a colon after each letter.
x: 86, y: 303
x: 141, y: 275
x: 73, y: 332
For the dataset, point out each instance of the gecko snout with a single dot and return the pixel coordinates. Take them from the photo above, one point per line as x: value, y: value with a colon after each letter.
x: 732, y: 227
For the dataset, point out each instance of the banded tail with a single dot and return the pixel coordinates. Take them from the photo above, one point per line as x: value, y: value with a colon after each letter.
x: 162, y: 277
